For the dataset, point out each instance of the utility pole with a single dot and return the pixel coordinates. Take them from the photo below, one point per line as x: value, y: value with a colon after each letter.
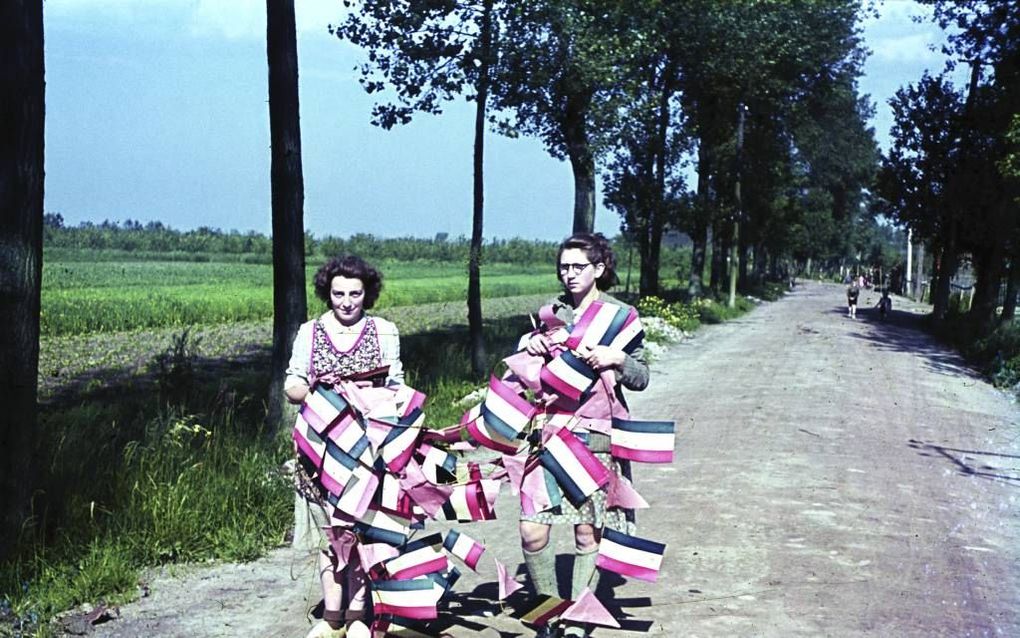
x: 735, y: 245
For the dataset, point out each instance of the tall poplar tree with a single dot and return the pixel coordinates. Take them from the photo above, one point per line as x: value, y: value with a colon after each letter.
x: 290, y: 305
x: 22, y: 118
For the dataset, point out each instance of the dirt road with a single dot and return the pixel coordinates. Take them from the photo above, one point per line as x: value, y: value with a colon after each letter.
x: 833, y: 478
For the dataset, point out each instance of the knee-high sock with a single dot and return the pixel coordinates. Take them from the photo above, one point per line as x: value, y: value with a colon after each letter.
x: 585, y: 574
x: 542, y: 570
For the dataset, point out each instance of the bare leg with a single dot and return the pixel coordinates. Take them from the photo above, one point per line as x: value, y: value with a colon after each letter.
x: 332, y: 591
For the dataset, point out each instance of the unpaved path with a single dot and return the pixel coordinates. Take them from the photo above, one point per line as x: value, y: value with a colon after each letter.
x: 834, y: 478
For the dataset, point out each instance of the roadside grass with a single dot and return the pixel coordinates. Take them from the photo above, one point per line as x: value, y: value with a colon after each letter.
x: 995, y: 353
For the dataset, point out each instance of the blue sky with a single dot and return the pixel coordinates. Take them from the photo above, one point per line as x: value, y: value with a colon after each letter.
x: 156, y: 110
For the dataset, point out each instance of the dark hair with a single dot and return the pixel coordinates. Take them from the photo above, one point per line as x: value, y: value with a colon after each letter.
x: 352, y: 267
x: 596, y: 247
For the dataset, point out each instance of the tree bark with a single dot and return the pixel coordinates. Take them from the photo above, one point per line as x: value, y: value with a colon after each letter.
x: 582, y: 162
x: 474, y: 297
x: 699, y: 229
x: 948, y: 260
x: 288, y: 195
x: 22, y: 142
x: 719, y: 248
x: 1012, y: 284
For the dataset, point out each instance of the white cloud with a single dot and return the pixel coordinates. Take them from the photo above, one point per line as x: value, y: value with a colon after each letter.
x: 907, y: 48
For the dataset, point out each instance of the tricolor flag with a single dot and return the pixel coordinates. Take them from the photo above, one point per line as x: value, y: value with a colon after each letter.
x: 447, y: 580
x: 464, y: 547
x: 399, y: 446
x: 358, y: 492
x: 377, y: 526
x: 549, y: 608
x: 485, y: 437
x: 630, y: 555
x: 568, y: 376
x: 630, y: 334
x: 472, y: 502
x: 576, y: 469
x: 308, y: 442
x: 599, y: 320
x: 418, y: 558
x: 350, y: 437
x: 414, y: 598
x: 644, y: 441
x: 322, y: 406
x: 504, y: 411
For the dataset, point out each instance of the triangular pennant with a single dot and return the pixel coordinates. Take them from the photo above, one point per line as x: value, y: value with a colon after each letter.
x: 588, y: 609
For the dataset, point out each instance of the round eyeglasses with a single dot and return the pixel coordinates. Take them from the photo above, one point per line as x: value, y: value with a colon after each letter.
x: 577, y: 269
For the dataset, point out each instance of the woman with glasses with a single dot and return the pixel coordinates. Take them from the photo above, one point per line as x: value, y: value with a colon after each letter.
x: 587, y: 268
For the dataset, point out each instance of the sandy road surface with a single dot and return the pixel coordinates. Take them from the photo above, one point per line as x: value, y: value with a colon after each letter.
x: 834, y: 478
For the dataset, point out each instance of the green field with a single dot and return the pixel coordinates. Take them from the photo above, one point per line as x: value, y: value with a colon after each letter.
x: 81, y: 297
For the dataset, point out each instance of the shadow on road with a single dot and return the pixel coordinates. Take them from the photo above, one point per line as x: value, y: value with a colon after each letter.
x: 905, y: 332
x: 967, y: 466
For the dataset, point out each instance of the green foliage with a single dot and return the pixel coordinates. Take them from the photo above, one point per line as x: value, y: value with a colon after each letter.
x: 678, y: 314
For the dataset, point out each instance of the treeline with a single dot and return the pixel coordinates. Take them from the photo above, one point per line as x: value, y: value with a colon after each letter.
x: 155, y: 237
x: 952, y: 175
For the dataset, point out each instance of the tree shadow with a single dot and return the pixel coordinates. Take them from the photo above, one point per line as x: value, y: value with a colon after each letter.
x: 966, y: 466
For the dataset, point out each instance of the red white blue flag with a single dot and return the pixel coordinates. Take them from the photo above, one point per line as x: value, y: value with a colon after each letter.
x: 504, y: 411
x: 568, y: 376
x: 576, y: 469
x: 643, y: 441
x: 418, y: 558
x: 414, y: 598
x: 629, y: 555
x: 464, y: 547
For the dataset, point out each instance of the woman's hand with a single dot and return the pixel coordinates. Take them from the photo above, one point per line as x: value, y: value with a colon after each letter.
x: 539, y: 344
x: 296, y: 393
x: 601, y: 357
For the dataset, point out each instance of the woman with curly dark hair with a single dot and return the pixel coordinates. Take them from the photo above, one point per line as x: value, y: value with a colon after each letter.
x: 586, y: 267
x: 341, y: 344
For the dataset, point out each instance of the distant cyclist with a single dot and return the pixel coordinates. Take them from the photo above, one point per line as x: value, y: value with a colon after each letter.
x: 884, y: 305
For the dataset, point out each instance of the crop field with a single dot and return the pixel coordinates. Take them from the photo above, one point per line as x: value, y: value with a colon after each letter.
x: 81, y: 297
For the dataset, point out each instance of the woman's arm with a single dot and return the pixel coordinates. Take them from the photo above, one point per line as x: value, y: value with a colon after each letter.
x: 389, y: 347
x: 295, y: 386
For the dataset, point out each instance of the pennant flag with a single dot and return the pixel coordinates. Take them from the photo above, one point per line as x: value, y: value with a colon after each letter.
x: 507, y: 583
x: 322, y: 407
x: 568, y: 376
x: 428, y: 497
x: 377, y: 526
x: 576, y: 469
x: 376, y: 431
x: 588, y: 609
x: 596, y: 321
x: 504, y: 412
x: 539, y: 489
x: 408, y: 402
x: 472, y: 502
x: 629, y: 336
x: 398, y: 447
x: 470, y: 471
x: 438, y: 465
x: 308, y: 442
x: 644, y: 441
x: 514, y: 466
x: 414, y: 598
x: 492, y: 440
x: 549, y: 608
x: 621, y: 493
x: 418, y: 558
x: 371, y: 554
x: 464, y: 547
x: 630, y: 555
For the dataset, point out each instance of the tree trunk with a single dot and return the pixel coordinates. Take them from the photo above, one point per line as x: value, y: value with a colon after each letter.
x: 582, y: 162
x: 989, y: 267
x: 22, y: 120
x: 656, y: 221
x: 474, y: 297
x: 1012, y: 284
x: 290, y: 307
x: 719, y: 249
x: 699, y: 237
x: 919, y: 277
x: 947, y: 268
x: 735, y: 243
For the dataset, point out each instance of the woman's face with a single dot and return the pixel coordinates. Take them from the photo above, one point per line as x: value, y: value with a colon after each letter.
x: 577, y: 273
x: 347, y: 298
